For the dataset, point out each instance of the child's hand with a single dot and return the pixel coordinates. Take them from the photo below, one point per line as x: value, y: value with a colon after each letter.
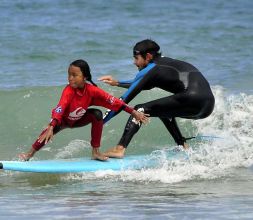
x: 140, y: 116
x: 47, y: 135
x: 24, y: 156
x: 27, y: 156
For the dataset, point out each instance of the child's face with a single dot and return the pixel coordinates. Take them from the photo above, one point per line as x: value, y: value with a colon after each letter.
x: 75, y: 77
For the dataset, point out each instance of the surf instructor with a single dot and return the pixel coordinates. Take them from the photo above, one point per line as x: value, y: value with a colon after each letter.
x: 191, y: 96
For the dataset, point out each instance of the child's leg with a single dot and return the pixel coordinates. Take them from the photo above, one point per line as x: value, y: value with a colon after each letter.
x: 95, y: 117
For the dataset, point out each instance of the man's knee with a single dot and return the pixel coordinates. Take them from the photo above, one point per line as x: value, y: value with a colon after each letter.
x: 139, y: 108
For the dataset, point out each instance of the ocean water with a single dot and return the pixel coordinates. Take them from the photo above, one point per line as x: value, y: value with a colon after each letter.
x: 39, y: 39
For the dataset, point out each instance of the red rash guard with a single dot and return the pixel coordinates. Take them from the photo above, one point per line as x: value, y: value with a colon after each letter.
x: 74, y: 104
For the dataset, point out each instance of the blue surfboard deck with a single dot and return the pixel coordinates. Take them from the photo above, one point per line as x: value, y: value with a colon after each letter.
x: 135, y: 162
x: 74, y: 165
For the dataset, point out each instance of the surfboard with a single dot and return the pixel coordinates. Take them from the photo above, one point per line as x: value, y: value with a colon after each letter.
x: 135, y: 162
x: 78, y: 165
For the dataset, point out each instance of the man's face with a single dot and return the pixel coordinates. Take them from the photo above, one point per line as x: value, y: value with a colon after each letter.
x: 140, y: 62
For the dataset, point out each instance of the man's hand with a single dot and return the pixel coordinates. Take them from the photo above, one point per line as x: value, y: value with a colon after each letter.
x: 109, y: 80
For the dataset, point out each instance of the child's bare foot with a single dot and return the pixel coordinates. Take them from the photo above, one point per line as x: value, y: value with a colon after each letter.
x: 96, y: 155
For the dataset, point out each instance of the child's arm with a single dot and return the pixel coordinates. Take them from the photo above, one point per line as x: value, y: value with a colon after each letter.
x: 102, y: 98
x: 47, y: 134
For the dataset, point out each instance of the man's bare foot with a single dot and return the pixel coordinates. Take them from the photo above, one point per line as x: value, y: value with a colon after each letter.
x: 96, y: 155
x: 115, y: 152
x: 186, y: 146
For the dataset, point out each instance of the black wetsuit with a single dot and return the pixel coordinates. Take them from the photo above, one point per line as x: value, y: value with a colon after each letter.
x: 192, y: 97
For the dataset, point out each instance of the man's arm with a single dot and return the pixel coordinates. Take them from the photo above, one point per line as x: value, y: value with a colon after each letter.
x: 132, y: 91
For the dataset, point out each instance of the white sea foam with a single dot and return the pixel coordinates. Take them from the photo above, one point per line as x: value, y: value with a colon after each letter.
x: 72, y: 149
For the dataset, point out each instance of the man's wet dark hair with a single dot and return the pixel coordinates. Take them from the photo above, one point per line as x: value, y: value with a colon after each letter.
x: 146, y: 46
x: 85, y: 69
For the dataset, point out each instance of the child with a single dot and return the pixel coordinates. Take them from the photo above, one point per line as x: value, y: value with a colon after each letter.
x: 72, y: 110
